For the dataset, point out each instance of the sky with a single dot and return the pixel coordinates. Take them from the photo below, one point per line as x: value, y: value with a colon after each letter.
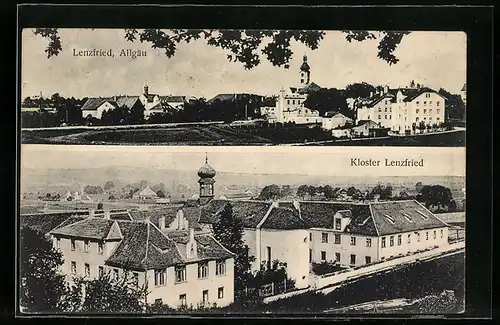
x: 434, y: 59
x: 288, y: 160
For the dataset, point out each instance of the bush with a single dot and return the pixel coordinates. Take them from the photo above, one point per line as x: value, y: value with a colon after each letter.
x: 325, y: 268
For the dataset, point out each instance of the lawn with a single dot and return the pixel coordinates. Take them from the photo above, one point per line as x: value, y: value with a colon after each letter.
x: 225, y: 135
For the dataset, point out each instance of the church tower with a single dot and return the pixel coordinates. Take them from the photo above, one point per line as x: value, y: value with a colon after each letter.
x: 305, y: 73
x: 280, y: 106
x: 206, y: 181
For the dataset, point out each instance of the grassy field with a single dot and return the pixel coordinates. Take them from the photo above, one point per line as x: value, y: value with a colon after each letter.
x: 225, y: 135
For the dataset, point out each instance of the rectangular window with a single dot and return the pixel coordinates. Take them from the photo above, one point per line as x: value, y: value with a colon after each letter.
x: 441, y: 233
x: 58, y: 242
x: 430, y: 118
x: 434, y: 235
x: 324, y: 237
x: 338, y: 224
x: 310, y: 255
x: 368, y: 259
x: 368, y: 242
x: 385, y: 110
x: 87, y: 269
x: 399, y: 240
x: 380, y: 109
x: 203, y: 270
x: 437, y: 104
x: 205, y: 296
x: 101, y: 271
x: 391, y: 241
x: 100, y: 248
x: 337, y: 257
x: 379, y: 117
x: 353, y: 241
x: 310, y: 236
x: 416, y: 111
x: 160, y: 277
x: 390, y: 117
x: 73, y: 267
x: 426, y: 235
x: 135, y: 277
x: 73, y: 244
x: 220, y: 293
x: 182, y: 300
x: 383, y: 242
x: 418, y: 237
x: 430, y: 110
x: 425, y: 111
x: 337, y: 239
x: 385, y: 116
x: 425, y: 103
x: 409, y: 239
x: 323, y: 255
x: 180, y: 273
x: 86, y: 245
x: 417, y: 103
x: 353, y: 259
x: 220, y: 268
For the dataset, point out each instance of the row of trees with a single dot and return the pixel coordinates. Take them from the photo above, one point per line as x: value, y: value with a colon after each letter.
x: 435, y: 197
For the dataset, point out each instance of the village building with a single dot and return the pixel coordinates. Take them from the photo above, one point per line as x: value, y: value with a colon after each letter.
x: 290, y: 102
x: 354, y: 234
x: 145, y: 194
x: 150, y: 103
x: 333, y: 120
x: 179, y: 267
x: 403, y: 109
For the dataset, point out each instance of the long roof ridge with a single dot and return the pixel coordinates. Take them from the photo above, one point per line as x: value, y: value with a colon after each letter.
x: 432, y: 214
x: 71, y: 224
x: 373, y: 220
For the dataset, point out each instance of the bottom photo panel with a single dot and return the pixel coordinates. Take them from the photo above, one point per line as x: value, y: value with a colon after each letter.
x: 323, y: 231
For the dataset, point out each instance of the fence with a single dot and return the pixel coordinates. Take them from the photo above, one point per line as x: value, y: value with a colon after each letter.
x: 272, y: 289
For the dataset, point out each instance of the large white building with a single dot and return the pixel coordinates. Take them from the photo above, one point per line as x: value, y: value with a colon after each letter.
x: 290, y: 102
x: 403, y: 109
x: 177, y: 265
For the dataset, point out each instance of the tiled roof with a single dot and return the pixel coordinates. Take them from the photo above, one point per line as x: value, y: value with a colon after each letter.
x: 403, y: 216
x: 145, y: 247
x: 154, y: 215
x: 94, y: 102
x: 408, y: 93
x: 173, y: 99
x: 284, y: 219
x: 96, y: 228
x: 45, y: 222
x: 309, y: 88
x: 464, y: 88
x: 320, y: 215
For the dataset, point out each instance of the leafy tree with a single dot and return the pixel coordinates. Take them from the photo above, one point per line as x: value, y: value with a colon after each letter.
x: 93, y: 189
x: 243, y: 45
x: 312, y: 190
x: 136, y: 115
x: 42, y: 286
x: 351, y: 191
x: 160, y: 194
x: 100, y: 206
x: 106, y: 295
x: 386, y: 192
x: 270, y: 192
x: 325, y: 100
x: 418, y: 186
x: 454, y: 105
x: 109, y: 185
x: 286, y: 191
x: 302, y: 191
x: 228, y: 230
x: 435, y: 196
x: 359, y: 90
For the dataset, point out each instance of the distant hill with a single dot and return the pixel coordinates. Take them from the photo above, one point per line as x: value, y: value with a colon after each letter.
x: 186, y: 182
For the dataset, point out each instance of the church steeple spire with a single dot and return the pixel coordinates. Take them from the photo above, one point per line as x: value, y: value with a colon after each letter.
x: 305, y: 72
x: 206, y: 181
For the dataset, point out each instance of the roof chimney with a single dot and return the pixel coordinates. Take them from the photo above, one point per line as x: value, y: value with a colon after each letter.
x: 161, y: 221
x: 146, y: 90
x: 371, y: 94
x: 386, y: 89
x: 191, y: 234
x: 91, y: 212
x: 107, y: 214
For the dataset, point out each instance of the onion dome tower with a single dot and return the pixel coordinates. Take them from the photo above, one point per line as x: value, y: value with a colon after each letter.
x: 206, y: 181
x: 305, y: 72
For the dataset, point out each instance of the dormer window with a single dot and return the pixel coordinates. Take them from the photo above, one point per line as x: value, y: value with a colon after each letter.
x: 407, y: 217
x: 422, y: 214
x: 338, y: 224
x: 389, y: 219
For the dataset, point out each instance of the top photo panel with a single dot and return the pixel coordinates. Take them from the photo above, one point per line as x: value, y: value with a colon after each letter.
x: 243, y: 87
